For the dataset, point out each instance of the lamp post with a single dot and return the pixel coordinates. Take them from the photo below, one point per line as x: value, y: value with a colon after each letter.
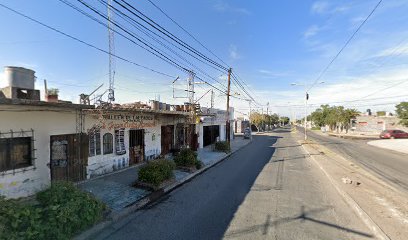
x: 306, y: 98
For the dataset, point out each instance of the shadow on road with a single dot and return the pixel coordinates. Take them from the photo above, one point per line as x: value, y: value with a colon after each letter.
x: 301, y: 217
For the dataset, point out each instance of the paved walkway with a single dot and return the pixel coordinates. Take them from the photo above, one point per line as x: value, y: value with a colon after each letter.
x: 399, y: 145
x: 116, y: 189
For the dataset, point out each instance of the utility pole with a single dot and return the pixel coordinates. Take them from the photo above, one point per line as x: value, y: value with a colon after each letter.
x: 267, y: 115
x: 306, y: 98
x: 227, y: 126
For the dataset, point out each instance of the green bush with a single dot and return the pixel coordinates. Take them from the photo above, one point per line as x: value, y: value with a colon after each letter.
x: 62, y: 211
x: 222, y: 146
x: 19, y: 221
x: 186, y: 158
x: 198, y: 164
x: 156, y: 172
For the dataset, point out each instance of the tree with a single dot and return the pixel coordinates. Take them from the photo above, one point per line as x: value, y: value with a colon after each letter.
x: 336, y: 117
x: 402, y: 111
x: 257, y: 119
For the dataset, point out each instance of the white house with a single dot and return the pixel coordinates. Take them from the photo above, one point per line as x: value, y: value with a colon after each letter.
x: 41, y: 142
x: 212, y: 126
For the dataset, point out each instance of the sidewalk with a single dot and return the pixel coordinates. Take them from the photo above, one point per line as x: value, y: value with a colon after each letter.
x: 399, y: 145
x: 116, y: 189
x: 382, y: 207
x: 349, y: 135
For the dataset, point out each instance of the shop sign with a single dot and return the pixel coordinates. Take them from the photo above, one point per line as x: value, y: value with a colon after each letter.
x: 116, y: 121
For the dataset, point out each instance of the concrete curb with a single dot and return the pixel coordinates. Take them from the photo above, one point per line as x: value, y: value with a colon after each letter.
x: 378, y: 232
x: 353, y: 137
x: 148, y: 199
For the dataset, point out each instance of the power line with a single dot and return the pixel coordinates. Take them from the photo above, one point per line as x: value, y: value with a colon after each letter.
x: 167, y: 59
x: 148, y: 47
x: 162, y: 30
x: 132, y: 21
x: 81, y: 41
x: 345, y: 45
x: 186, y: 31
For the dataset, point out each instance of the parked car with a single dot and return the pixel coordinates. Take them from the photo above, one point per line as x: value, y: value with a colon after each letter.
x: 247, y: 133
x: 393, y: 134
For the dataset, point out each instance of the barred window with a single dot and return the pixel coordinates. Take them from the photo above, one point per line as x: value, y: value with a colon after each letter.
x: 120, y: 141
x: 15, y: 153
x: 107, y: 143
x: 94, y: 142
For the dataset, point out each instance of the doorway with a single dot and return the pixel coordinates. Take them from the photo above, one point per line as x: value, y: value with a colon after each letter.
x: 68, y: 157
x: 136, y: 146
x: 167, y: 139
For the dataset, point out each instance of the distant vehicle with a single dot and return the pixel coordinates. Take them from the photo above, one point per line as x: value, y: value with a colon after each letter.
x: 247, y: 133
x: 393, y: 134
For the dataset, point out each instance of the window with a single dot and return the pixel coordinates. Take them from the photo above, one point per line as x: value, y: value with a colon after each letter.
x: 107, y: 143
x: 120, y: 141
x: 94, y: 142
x: 15, y: 153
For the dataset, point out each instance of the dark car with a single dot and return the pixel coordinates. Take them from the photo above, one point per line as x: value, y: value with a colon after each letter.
x: 393, y: 134
x: 247, y: 133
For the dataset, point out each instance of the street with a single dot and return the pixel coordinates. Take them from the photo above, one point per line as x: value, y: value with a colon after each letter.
x: 267, y: 190
x: 388, y: 165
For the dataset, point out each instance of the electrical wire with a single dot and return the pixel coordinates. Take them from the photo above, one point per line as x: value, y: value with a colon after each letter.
x: 188, y: 33
x: 83, y: 42
x: 344, y: 46
x: 168, y: 34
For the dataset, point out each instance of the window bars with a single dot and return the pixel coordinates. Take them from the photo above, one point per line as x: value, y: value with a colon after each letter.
x: 17, y: 151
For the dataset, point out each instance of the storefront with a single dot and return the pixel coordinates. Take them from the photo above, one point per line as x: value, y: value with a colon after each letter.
x: 119, y: 138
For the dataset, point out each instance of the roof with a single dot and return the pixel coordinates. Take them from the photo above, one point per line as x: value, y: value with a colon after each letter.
x: 27, y: 102
x: 136, y: 110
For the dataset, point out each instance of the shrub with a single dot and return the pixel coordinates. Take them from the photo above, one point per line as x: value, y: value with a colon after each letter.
x: 18, y: 221
x: 198, y: 164
x: 186, y: 158
x: 62, y: 211
x: 156, y: 172
x: 68, y: 209
x: 222, y: 146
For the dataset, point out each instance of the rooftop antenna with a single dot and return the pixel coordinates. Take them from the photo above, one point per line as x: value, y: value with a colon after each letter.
x: 111, y: 93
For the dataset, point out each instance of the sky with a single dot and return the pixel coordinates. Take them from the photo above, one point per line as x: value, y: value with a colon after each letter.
x: 268, y: 44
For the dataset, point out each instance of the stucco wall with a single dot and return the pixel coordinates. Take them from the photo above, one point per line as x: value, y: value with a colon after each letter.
x: 44, y: 123
x: 102, y: 164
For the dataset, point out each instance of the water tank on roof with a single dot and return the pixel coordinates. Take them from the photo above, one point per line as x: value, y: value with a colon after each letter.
x: 19, y: 77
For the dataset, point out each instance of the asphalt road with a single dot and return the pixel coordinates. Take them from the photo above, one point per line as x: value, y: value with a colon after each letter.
x: 388, y: 165
x: 267, y: 190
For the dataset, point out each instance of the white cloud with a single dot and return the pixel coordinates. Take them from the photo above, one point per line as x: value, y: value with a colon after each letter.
x: 233, y: 52
x: 273, y: 74
x: 225, y: 7
x: 400, y: 50
x: 320, y: 7
x: 311, y: 31
x: 323, y: 7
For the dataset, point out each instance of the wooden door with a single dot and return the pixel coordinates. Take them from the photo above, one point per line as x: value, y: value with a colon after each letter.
x: 167, y: 142
x: 68, y: 157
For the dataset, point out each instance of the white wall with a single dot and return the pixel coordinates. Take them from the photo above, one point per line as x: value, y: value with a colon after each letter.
x: 102, y: 164
x: 44, y: 123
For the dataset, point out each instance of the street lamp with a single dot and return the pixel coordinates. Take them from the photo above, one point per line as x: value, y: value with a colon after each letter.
x: 306, y: 98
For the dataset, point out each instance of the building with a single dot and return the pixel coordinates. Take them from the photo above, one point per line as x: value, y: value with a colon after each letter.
x: 42, y: 141
x: 123, y: 137
x: 212, y: 126
x: 240, y: 125
x: 372, y: 124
